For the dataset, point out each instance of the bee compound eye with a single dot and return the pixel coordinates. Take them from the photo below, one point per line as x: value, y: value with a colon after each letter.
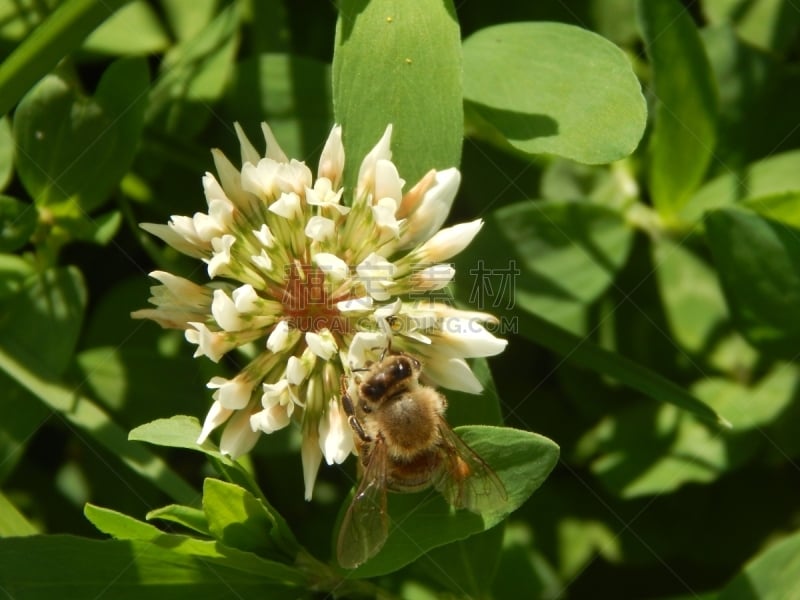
x: 365, y: 408
x: 372, y: 390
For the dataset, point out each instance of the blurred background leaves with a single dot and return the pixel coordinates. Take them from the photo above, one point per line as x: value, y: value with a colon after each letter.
x: 637, y: 164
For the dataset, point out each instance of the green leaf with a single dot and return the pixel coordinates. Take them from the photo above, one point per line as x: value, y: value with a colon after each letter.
x: 240, y: 520
x: 12, y: 522
x: 62, y: 32
x: 583, y: 352
x: 550, y: 258
x: 758, y: 261
x: 6, y: 153
x: 40, y: 324
x: 187, y: 516
x: 774, y: 175
x: 188, y: 19
x: 574, y: 248
x: 17, y: 223
x: 87, y: 416
x: 118, y: 525
x: 772, y: 575
x: 80, y: 568
x: 124, y: 527
x: 783, y: 207
x: 54, y: 119
x: 556, y: 89
x: 466, y: 567
x: 181, y: 431
x: 194, y: 74
x: 420, y: 522
x: 693, y: 301
x: 133, y: 30
x: 388, y: 59
x: 684, y: 129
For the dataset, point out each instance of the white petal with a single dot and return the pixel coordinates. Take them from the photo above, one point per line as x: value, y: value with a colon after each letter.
x: 216, y: 416
x: 287, y: 206
x: 362, y: 304
x: 249, y: 153
x: 278, y: 339
x: 384, y: 214
x: 262, y: 261
x: 467, y: 338
x: 449, y: 242
x: 225, y: 314
x: 366, y: 346
x: 387, y: 181
x: 209, y: 343
x: 232, y: 393
x: 191, y: 247
x: 238, y: 437
x: 331, y: 161
x: 433, y: 209
x: 264, y: 235
x: 274, y: 150
x: 454, y: 374
x: 221, y: 256
x: 335, y: 434
x: 322, y: 344
x: 271, y: 419
x: 366, y: 173
x: 296, y: 371
x: 245, y: 299
x: 312, y: 455
x: 320, y: 228
x: 432, y: 278
x: 376, y: 273
x: 330, y: 264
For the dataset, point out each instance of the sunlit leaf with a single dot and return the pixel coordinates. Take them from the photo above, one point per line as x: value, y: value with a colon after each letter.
x: 774, y: 175
x: 758, y: 263
x: 187, y: 516
x: 62, y: 32
x: 6, y: 153
x: 133, y: 30
x: 12, y: 521
x: 771, y: 24
x: 554, y: 88
x: 55, y: 119
x: 419, y: 522
x: 772, y: 575
x: 388, y: 60
x: 83, y: 568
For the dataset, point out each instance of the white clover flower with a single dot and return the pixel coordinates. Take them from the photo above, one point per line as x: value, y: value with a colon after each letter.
x: 319, y: 286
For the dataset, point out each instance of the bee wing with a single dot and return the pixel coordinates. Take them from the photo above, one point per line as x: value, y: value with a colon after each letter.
x: 365, y: 527
x: 467, y: 481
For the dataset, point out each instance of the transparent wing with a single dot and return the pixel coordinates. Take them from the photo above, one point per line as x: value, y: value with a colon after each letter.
x: 365, y: 526
x: 466, y: 481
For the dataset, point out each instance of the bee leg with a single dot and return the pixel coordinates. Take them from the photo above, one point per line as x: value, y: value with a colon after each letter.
x: 347, y: 405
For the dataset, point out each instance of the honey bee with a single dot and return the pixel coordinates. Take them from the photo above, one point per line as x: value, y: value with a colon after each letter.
x: 405, y: 445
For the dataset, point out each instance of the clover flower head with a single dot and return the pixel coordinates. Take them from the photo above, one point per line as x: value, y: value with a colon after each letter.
x: 317, y: 287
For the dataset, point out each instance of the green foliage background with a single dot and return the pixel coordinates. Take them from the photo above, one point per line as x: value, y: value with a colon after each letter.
x: 637, y: 164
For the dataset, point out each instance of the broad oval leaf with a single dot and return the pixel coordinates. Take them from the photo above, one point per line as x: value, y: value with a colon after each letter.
x: 240, y: 520
x: 73, y: 145
x: 757, y: 260
x: 133, y: 30
x: 399, y: 63
x: 684, y: 129
x: 556, y: 89
x: 521, y: 459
